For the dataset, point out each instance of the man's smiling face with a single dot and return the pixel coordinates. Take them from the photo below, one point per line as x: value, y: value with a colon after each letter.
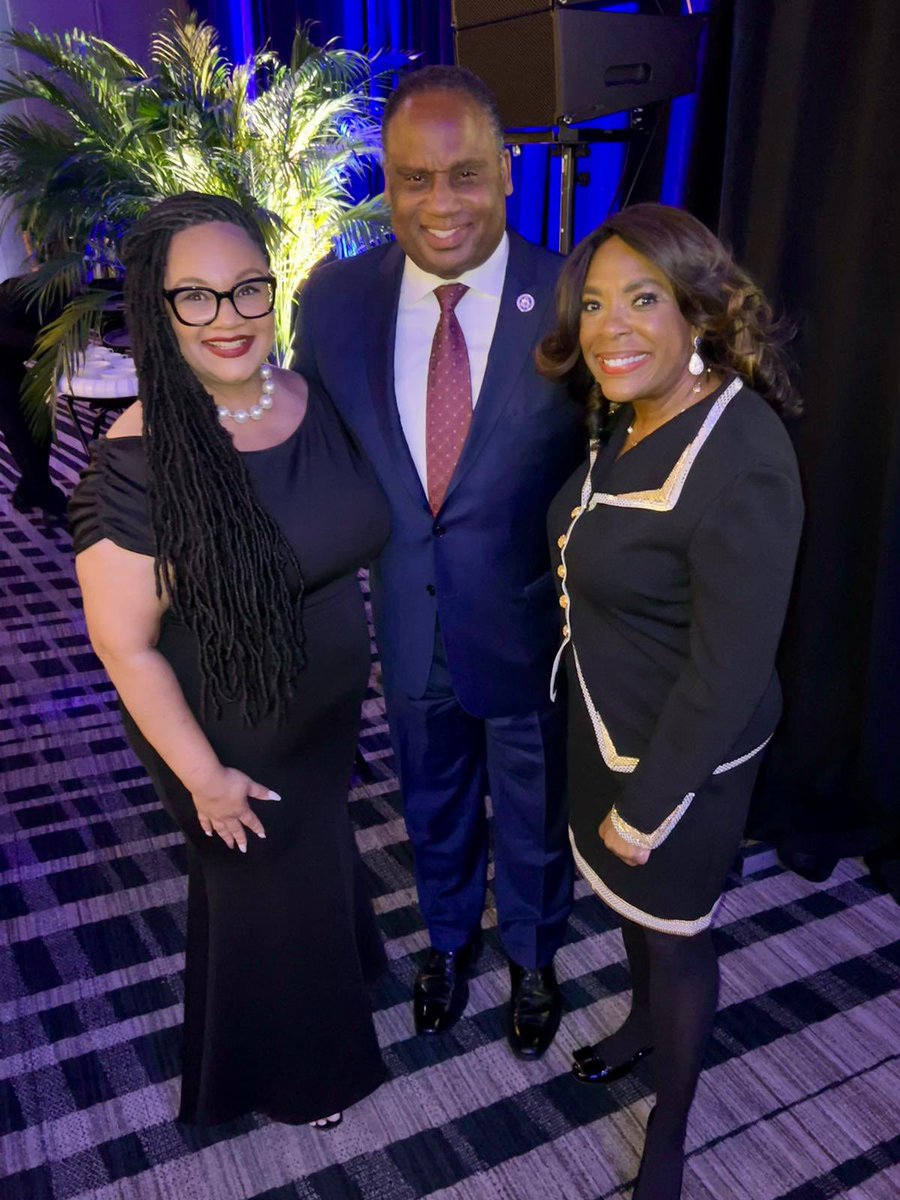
x: 446, y: 179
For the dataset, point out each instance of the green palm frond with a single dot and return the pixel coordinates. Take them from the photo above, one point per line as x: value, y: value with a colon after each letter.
x: 88, y: 81
x: 303, y: 46
x: 33, y: 154
x: 286, y: 140
x: 56, y: 353
x: 50, y: 286
x: 68, y: 53
x: 191, y: 61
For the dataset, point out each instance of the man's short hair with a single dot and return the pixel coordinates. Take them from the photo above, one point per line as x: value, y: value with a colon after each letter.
x: 444, y: 79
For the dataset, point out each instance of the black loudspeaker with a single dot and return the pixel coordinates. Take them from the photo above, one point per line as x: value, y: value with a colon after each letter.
x: 558, y: 66
x: 482, y: 12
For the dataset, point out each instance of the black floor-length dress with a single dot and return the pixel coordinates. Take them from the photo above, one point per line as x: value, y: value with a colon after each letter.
x: 675, y: 563
x: 281, y: 940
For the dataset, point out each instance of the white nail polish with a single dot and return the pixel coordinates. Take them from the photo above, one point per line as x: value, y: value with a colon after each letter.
x: 274, y: 796
x: 242, y: 848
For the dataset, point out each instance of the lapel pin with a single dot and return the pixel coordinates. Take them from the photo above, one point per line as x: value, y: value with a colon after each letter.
x: 525, y: 302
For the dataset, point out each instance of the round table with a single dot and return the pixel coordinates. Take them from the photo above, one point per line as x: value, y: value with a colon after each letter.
x: 104, y: 381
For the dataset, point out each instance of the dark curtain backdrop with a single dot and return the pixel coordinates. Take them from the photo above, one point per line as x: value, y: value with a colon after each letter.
x: 365, y: 24
x: 810, y: 180
x: 370, y: 25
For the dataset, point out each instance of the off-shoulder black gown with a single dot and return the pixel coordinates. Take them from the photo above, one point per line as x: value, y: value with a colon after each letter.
x: 281, y: 941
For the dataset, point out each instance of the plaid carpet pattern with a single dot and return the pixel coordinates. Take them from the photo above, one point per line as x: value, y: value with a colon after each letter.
x: 799, y: 1099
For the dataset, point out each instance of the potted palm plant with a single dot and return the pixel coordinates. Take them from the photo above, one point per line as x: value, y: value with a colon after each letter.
x: 286, y: 140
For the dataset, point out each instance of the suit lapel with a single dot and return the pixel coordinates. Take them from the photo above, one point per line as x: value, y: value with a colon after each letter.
x: 510, y: 352
x: 382, y: 331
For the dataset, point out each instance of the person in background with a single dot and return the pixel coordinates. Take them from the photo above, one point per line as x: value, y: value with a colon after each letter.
x: 675, y: 549
x: 19, y: 327
x: 426, y: 346
x: 218, y: 532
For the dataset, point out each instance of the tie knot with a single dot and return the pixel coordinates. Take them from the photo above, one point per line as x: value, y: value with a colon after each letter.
x: 449, y: 295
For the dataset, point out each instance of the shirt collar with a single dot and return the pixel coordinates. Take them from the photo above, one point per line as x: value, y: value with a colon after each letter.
x: 487, y: 277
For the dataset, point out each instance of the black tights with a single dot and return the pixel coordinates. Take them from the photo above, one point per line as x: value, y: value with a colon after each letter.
x: 675, y: 991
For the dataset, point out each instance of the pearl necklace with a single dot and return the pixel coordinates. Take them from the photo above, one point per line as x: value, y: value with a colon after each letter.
x: 257, y: 411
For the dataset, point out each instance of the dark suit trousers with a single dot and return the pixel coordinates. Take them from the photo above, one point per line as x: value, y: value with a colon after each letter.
x: 446, y: 761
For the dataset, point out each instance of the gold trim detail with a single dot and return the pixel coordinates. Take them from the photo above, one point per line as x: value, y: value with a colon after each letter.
x: 664, y: 499
x: 624, y: 909
x: 649, y: 841
x: 562, y: 571
x: 739, y: 762
x: 613, y: 759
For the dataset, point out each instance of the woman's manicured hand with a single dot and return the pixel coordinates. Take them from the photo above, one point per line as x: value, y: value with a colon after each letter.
x: 222, y: 807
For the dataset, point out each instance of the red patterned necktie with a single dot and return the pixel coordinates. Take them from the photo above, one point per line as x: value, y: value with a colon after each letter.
x: 448, y: 403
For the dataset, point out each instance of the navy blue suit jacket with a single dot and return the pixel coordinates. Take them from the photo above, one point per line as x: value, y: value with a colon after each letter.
x: 482, y: 565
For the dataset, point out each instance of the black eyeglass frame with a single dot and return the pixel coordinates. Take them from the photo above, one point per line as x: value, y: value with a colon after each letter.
x: 171, y: 294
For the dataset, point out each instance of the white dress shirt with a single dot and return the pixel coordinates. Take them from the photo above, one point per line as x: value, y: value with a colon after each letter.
x: 417, y: 320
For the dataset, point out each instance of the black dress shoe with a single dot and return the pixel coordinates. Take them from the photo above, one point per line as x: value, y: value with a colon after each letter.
x: 589, y: 1067
x: 534, y: 1010
x: 441, y: 990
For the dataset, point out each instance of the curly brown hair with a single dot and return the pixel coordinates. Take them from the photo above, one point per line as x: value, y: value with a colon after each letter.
x: 738, y: 330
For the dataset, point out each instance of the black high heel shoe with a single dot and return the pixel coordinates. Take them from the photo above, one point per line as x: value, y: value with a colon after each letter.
x: 589, y: 1067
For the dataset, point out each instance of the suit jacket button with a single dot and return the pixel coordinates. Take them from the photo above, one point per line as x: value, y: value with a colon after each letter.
x: 439, y: 531
x: 430, y: 589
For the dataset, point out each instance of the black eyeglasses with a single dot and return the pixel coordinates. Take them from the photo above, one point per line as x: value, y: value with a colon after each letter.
x: 251, y: 298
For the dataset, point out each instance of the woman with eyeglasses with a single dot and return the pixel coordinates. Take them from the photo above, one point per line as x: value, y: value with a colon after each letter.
x: 218, y: 530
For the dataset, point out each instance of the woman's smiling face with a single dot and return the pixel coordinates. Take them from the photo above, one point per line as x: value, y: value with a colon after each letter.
x: 228, y: 353
x: 632, y: 334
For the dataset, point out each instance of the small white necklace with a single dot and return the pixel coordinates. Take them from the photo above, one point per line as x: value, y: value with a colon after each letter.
x: 257, y: 411
x: 698, y: 386
x: 630, y: 429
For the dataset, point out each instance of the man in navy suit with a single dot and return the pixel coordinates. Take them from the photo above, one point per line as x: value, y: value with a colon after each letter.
x: 439, y: 385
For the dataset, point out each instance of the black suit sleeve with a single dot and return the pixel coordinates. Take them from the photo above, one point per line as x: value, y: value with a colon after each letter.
x: 741, y: 559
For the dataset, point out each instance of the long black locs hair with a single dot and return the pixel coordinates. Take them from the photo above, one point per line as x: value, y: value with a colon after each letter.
x: 222, y: 561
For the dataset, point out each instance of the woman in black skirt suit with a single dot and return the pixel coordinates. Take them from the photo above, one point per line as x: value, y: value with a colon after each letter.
x: 218, y: 531
x: 675, y: 548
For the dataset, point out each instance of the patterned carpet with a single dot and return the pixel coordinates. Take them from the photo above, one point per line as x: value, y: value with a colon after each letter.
x: 799, y: 1099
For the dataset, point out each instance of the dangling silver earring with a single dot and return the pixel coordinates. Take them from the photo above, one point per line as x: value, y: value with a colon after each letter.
x: 696, y: 365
